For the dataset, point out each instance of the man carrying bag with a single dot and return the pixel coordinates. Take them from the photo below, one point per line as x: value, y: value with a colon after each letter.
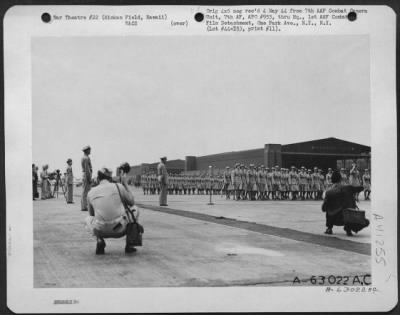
x: 341, y: 209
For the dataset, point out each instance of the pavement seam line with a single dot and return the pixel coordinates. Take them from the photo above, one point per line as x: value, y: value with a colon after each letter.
x: 332, y: 242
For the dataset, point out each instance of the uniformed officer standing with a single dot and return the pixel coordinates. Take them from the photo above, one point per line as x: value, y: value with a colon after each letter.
x: 86, y: 176
x: 163, y: 181
x: 69, y: 182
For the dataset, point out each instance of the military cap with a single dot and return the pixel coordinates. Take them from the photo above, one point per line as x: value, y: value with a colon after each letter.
x: 329, y: 169
x: 69, y: 160
x: 163, y: 158
x: 86, y: 147
x: 292, y: 167
x: 227, y: 167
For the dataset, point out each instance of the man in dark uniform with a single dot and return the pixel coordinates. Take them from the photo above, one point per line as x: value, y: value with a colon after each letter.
x: 163, y: 181
x: 35, y: 178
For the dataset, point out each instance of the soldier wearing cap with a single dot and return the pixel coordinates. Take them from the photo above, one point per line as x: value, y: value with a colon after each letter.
x: 86, y: 176
x: 269, y: 182
x: 315, y: 182
x: 163, y: 181
x: 343, y: 175
x: 293, y: 185
x: 309, y: 188
x: 251, y: 182
x: 366, y: 178
x: 328, y: 179
x: 276, y: 180
x: 321, y: 184
x: 227, y: 182
x: 107, y: 215
x: 69, y: 182
x: 262, y: 182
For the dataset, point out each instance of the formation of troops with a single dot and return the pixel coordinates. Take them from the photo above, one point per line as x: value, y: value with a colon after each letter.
x: 258, y: 183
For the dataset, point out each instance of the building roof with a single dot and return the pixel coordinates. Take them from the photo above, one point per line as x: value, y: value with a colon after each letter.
x: 327, y: 145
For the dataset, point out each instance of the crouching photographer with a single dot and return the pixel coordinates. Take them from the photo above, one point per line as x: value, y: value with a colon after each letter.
x: 112, y: 213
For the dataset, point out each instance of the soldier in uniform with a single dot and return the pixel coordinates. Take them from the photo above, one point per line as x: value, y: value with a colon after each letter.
x: 262, y: 182
x: 251, y: 182
x: 227, y: 181
x: 163, y: 181
x: 354, y: 179
x: 315, y: 182
x: 86, y: 176
x: 293, y: 185
x: 283, y: 184
x: 276, y: 180
x: 328, y: 179
x: 235, y: 179
x: 343, y: 175
x: 366, y: 178
x: 69, y: 182
x: 35, y: 179
x: 321, y: 184
x: 268, y: 186
x: 303, y: 182
x: 243, y: 182
x: 309, y: 185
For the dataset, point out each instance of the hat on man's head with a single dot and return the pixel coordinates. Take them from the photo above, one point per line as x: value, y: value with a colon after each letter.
x: 163, y: 158
x: 69, y: 160
x: 105, y: 171
x: 227, y: 167
x: 85, y: 148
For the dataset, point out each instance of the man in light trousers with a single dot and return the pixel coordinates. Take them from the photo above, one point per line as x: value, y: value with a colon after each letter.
x: 163, y: 180
x: 86, y: 176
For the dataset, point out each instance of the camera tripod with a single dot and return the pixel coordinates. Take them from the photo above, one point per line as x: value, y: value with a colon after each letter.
x: 57, y: 185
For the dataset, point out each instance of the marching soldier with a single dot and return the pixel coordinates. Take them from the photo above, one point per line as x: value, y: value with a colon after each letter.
x: 251, y: 182
x: 262, y: 183
x: 329, y: 179
x: 227, y: 182
x: 163, y: 181
x: 321, y: 183
x: 276, y: 180
x: 86, y: 176
x: 315, y: 182
x: 354, y: 178
x: 236, y: 181
x: 303, y: 182
x: 309, y: 186
x: 293, y: 182
x: 69, y: 182
x: 268, y: 187
x: 343, y: 180
x: 367, y: 184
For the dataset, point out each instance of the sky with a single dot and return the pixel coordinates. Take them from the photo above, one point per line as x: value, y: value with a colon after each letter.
x: 138, y: 98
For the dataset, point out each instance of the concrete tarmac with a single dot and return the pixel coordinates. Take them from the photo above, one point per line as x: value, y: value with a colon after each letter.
x: 180, y: 250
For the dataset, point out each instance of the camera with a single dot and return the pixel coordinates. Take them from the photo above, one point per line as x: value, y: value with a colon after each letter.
x: 125, y: 167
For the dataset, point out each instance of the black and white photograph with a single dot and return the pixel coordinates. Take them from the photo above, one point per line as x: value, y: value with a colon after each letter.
x: 205, y: 161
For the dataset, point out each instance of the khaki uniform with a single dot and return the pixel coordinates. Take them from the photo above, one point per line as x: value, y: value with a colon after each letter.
x: 86, y: 179
x: 69, y: 184
x: 163, y: 181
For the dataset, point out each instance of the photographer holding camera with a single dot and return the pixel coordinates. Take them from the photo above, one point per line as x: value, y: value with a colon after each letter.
x: 107, y: 203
